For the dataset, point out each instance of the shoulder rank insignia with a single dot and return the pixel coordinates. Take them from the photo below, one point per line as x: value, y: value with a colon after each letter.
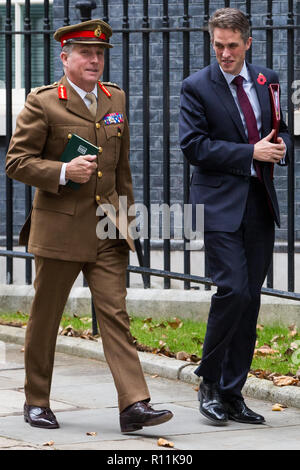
x: 62, y: 92
x: 115, y: 85
x: 39, y: 89
x: 113, y: 118
x: 104, y: 89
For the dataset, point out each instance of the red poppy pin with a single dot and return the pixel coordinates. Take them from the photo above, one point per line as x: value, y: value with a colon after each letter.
x: 261, y: 79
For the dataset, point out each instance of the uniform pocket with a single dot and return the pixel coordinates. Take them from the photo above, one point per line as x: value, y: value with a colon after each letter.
x: 63, y: 203
x: 114, y: 133
x: 63, y: 133
x: 114, y: 130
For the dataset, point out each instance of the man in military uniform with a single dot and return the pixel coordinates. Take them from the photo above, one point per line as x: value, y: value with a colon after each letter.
x: 61, y: 229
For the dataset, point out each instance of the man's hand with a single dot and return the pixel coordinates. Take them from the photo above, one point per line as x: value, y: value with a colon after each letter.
x: 81, y: 168
x: 265, y: 151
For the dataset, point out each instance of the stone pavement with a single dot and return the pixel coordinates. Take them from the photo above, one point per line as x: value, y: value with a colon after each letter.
x: 84, y: 401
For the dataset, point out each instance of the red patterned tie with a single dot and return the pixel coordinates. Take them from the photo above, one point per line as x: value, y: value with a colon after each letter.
x: 253, y: 134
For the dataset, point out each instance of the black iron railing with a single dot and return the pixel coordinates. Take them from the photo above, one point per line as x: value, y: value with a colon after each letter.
x: 165, y: 30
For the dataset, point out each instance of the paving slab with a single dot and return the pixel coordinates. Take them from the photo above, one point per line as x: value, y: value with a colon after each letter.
x: 124, y: 444
x: 95, y: 395
x: 10, y: 382
x: 165, y: 390
x: 263, y: 438
x: 6, y: 443
x: 84, y: 374
x: 12, y: 402
x: 100, y: 395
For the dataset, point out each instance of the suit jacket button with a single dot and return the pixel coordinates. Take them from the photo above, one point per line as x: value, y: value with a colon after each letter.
x: 98, y: 125
x: 98, y: 198
x: 99, y: 174
x: 100, y: 149
x: 69, y: 136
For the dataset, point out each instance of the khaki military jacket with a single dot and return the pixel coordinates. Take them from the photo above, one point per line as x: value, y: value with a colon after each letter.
x: 62, y: 223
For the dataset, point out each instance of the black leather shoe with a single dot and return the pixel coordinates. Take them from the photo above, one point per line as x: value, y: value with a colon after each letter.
x: 238, y: 411
x: 141, y: 414
x: 40, y: 417
x: 211, y: 405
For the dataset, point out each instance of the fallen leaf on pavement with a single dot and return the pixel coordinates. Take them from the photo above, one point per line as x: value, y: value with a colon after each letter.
x: 87, y: 334
x: 154, y: 376
x: 164, y: 443
x: 284, y: 380
x: 182, y: 356
x: 259, y: 327
x: 92, y: 433
x: 194, y: 358
x: 49, y: 443
x: 278, y: 407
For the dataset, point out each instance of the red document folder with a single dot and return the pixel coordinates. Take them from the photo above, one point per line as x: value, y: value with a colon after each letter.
x: 275, y: 107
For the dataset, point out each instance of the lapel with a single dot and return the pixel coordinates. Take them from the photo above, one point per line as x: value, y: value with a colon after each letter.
x: 223, y: 91
x: 263, y: 98
x: 104, y: 104
x: 266, y: 114
x: 76, y: 105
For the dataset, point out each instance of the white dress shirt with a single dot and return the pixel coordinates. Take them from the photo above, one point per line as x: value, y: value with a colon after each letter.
x: 82, y: 94
x: 249, y: 88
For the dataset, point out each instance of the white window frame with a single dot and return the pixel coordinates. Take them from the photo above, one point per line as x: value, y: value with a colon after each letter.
x: 18, y: 93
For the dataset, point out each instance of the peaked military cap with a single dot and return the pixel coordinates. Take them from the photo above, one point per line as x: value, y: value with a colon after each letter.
x: 88, y: 32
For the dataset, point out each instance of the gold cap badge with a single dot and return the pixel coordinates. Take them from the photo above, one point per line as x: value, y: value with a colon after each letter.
x: 98, y: 32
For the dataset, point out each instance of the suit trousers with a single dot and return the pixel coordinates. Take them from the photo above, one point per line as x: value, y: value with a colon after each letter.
x: 106, y: 278
x: 238, y: 263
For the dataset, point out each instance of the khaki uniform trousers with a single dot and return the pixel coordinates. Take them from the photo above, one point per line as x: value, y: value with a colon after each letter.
x: 107, y: 281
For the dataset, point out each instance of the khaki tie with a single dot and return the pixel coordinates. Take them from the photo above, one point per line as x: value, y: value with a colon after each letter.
x: 93, y: 106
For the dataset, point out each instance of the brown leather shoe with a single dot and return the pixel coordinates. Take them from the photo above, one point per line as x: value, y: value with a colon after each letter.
x: 40, y: 417
x: 141, y: 414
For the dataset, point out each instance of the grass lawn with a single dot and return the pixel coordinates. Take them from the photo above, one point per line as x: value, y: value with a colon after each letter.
x: 275, y: 348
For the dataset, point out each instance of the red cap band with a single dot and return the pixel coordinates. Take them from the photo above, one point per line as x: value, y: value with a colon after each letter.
x: 81, y: 34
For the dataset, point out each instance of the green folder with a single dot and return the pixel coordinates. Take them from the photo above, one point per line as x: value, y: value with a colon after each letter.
x: 75, y: 147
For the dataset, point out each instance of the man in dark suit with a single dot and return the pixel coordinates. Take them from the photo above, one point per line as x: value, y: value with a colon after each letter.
x: 226, y: 133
